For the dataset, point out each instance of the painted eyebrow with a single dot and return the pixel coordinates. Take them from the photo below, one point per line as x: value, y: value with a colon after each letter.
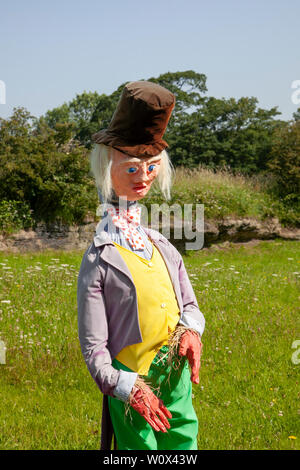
x: 132, y: 162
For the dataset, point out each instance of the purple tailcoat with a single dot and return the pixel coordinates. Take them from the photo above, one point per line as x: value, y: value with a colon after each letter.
x: 108, y: 312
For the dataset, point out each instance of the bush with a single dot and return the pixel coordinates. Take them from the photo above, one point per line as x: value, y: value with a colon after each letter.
x: 45, y: 169
x: 285, y: 162
x: 14, y: 216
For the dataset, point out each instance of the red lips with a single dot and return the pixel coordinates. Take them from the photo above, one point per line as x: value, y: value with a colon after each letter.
x: 142, y: 186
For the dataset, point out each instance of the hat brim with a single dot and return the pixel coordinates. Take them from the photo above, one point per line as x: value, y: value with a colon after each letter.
x: 136, y: 150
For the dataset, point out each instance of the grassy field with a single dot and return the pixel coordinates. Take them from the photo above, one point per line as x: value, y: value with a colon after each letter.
x: 248, y: 396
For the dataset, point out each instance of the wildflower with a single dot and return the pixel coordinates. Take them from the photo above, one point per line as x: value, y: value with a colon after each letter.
x: 292, y: 437
x: 5, y: 301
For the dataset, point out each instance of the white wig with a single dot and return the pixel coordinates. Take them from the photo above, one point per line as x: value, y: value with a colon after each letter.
x: 101, y: 161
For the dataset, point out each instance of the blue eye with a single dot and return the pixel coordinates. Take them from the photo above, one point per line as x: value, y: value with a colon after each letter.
x: 131, y: 168
x: 151, y: 167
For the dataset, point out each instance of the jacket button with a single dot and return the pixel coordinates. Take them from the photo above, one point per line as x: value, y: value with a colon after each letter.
x: 162, y: 305
x: 150, y: 264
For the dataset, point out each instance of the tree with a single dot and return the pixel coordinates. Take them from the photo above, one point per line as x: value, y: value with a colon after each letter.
x: 285, y: 161
x: 224, y: 132
x: 188, y: 88
x: 38, y: 166
x: 76, y: 116
x: 296, y: 115
x: 202, y: 130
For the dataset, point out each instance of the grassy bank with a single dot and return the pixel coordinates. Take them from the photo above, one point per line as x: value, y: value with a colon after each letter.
x: 224, y: 194
x: 248, y: 396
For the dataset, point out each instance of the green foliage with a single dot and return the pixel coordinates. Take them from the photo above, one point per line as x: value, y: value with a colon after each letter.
x: 188, y: 88
x: 224, y: 133
x: 202, y: 130
x: 225, y: 194
x: 77, y: 115
x: 285, y: 161
x: 39, y: 166
x: 14, y: 216
x: 296, y: 115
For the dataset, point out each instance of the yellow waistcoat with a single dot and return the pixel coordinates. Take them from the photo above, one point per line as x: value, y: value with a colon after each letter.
x: 158, y: 309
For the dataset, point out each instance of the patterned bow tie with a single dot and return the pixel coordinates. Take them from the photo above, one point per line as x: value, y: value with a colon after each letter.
x: 127, y: 220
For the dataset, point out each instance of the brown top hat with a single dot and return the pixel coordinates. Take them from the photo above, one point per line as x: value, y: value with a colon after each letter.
x: 139, y: 121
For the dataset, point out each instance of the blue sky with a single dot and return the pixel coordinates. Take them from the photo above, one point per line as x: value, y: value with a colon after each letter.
x: 50, y: 51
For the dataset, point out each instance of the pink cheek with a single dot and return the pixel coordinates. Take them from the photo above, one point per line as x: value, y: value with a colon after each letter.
x: 152, y: 175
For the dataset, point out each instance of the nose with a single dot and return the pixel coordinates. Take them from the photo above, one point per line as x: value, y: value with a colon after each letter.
x: 142, y: 175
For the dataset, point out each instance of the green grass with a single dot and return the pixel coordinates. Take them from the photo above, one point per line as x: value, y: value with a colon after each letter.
x: 248, y: 396
x: 224, y: 194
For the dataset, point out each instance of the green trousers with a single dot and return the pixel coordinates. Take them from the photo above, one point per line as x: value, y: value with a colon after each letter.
x: 175, y: 389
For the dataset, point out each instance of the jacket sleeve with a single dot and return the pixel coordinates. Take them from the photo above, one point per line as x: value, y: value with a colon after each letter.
x: 92, y: 323
x: 93, y: 330
x: 192, y: 317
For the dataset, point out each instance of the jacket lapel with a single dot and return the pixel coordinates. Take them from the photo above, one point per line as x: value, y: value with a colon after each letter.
x: 110, y: 254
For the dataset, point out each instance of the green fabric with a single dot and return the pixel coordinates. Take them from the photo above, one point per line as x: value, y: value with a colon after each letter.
x: 175, y: 389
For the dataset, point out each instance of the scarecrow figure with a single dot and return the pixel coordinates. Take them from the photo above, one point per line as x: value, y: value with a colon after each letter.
x: 139, y: 323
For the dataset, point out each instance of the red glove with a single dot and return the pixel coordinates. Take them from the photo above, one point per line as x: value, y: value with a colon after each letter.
x: 190, y: 346
x: 151, y: 408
